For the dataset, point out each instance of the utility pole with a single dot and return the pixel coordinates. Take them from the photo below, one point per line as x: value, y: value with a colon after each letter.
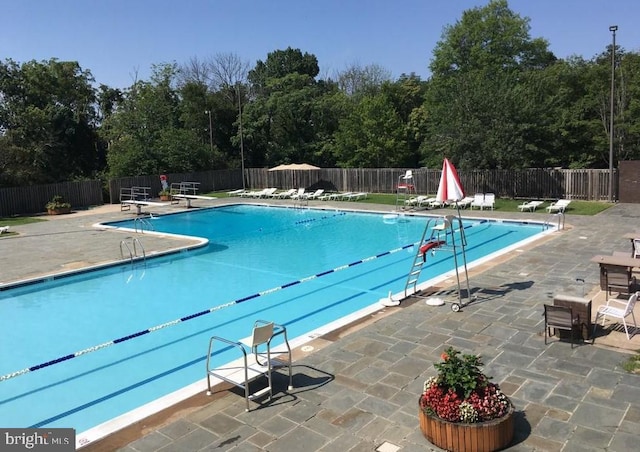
x: 612, y: 29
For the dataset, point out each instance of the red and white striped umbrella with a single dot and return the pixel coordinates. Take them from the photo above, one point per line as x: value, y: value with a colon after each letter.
x: 450, y: 188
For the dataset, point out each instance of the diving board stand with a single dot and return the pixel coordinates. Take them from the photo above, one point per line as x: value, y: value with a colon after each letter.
x: 189, y: 198
x: 264, y: 361
x: 187, y: 191
x: 137, y: 196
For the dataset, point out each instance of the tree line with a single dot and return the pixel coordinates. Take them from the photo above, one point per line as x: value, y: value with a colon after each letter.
x: 496, y: 98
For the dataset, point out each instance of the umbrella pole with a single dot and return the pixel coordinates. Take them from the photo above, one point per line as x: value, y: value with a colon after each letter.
x: 463, y: 242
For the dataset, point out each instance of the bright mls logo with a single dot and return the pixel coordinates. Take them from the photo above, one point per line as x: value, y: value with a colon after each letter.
x: 37, y: 439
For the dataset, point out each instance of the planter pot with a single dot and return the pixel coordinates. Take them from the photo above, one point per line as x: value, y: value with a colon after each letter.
x: 165, y: 197
x: 59, y: 211
x: 482, y: 436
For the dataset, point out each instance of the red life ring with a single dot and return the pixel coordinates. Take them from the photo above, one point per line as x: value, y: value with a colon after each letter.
x: 429, y: 245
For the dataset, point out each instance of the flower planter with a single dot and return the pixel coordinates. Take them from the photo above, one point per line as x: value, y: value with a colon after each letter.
x: 59, y: 211
x: 482, y: 436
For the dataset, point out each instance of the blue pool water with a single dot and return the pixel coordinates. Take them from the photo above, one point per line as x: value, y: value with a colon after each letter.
x: 251, y: 250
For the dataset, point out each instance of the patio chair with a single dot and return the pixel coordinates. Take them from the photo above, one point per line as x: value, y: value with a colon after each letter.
x: 478, y: 200
x: 283, y: 194
x: 298, y: 195
x: 315, y: 194
x: 618, y: 309
x: 618, y: 278
x: 415, y: 200
x: 489, y: 201
x: 559, y: 206
x: 267, y: 193
x: 636, y: 248
x: 463, y: 203
x: 530, y: 206
x: 559, y: 318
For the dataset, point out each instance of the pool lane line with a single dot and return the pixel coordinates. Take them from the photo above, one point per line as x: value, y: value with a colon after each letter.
x: 201, y: 313
x: 198, y: 314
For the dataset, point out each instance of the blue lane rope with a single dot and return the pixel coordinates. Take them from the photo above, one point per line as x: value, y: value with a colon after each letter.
x: 197, y: 314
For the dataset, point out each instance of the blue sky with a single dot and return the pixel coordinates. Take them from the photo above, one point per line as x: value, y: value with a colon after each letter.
x: 117, y: 39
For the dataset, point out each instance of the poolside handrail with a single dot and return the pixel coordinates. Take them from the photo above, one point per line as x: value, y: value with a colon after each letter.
x: 199, y: 314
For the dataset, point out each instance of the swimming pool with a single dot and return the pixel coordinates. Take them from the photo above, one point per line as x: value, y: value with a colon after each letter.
x: 260, y: 263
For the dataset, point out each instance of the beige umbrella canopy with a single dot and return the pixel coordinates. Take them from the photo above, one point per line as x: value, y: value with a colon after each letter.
x: 294, y: 166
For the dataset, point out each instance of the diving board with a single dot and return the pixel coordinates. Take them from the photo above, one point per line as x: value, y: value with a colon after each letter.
x: 140, y: 204
x: 188, y: 198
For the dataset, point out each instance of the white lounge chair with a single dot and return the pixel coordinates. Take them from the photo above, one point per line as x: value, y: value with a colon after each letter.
x: 483, y: 201
x: 236, y: 192
x: 356, y: 196
x: 284, y: 194
x: 435, y: 204
x: 489, y: 201
x: 463, y: 203
x: 299, y: 194
x: 559, y: 206
x: 478, y: 201
x: 315, y: 195
x: 530, y: 206
x: 416, y: 200
x: 267, y: 192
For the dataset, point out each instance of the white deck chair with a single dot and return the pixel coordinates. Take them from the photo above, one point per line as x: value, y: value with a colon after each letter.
x: 489, y: 201
x: 559, y: 206
x: 478, y: 201
x: 463, y: 203
x: 416, y: 200
x: 267, y: 192
x: 299, y: 194
x: 315, y: 195
x: 620, y: 310
x: 530, y: 206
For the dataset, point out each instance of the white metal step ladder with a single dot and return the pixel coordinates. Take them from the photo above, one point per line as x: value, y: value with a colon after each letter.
x: 242, y: 372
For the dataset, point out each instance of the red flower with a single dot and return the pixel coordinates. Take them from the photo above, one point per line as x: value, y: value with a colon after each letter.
x: 444, y: 357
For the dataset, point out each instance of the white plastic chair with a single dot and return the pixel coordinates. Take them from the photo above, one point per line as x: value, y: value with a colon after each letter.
x: 618, y: 310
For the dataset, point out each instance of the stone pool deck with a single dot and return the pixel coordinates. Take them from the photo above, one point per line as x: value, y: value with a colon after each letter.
x: 357, y: 389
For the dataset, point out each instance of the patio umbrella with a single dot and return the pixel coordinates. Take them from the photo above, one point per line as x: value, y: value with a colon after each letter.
x: 450, y: 189
x: 295, y: 166
x: 299, y: 174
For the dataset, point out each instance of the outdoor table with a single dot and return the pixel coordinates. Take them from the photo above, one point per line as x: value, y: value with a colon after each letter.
x: 616, y: 263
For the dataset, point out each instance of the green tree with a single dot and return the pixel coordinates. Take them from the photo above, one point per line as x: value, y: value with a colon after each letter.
x: 47, y: 122
x: 146, y: 134
x: 483, y: 110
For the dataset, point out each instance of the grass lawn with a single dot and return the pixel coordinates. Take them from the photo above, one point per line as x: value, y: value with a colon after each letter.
x: 16, y: 221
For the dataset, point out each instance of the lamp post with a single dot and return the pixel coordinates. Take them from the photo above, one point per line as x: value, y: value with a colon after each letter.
x: 612, y: 29
x: 241, y: 137
x: 208, y: 112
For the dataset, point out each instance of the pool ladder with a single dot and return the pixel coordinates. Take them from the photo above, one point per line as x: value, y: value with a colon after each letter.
x: 142, y: 223
x: 559, y: 220
x: 131, y: 244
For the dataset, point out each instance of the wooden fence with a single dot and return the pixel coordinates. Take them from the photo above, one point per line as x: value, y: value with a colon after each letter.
x: 582, y: 184
x: 32, y: 199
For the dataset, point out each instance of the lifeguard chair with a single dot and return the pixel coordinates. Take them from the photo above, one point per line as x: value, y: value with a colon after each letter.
x: 265, y: 360
x: 405, y: 188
